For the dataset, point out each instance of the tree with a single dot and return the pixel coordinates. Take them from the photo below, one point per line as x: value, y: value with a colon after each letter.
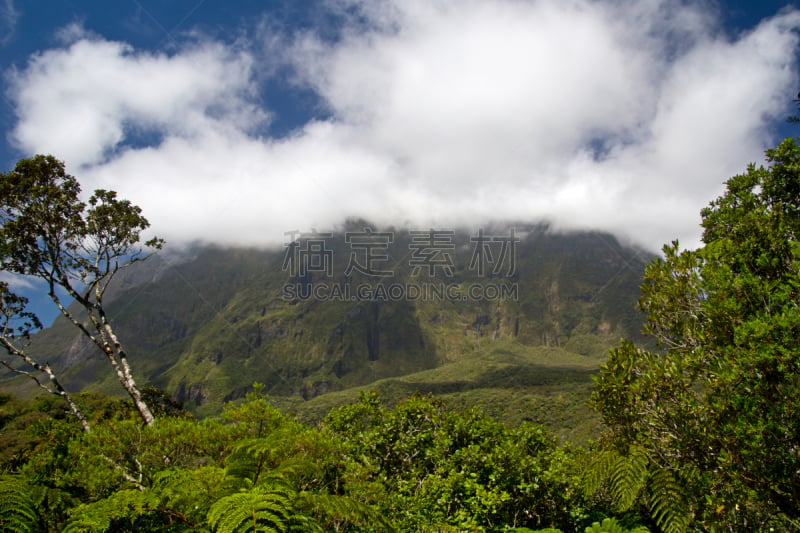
x: 718, y: 406
x: 16, y: 325
x: 48, y: 233
x: 436, y: 469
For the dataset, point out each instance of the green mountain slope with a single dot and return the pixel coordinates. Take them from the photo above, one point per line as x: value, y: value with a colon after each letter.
x: 509, y: 381
x: 207, y: 326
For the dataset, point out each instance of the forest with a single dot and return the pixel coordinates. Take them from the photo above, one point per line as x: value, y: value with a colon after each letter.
x: 700, y: 431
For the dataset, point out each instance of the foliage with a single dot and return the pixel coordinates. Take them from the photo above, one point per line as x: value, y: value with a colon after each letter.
x: 702, y: 426
x: 715, y: 410
x: 437, y: 468
x: 261, y: 508
x: 418, y: 467
x: 175, y: 501
x: 209, y: 350
x: 626, y: 475
x: 47, y: 232
x: 17, y: 506
x: 610, y: 525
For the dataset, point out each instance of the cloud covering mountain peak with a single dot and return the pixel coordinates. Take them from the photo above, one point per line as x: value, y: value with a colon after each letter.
x: 588, y: 114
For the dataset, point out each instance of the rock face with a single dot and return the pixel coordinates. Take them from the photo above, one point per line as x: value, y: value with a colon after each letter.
x: 193, y: 393
x: 207, y: 328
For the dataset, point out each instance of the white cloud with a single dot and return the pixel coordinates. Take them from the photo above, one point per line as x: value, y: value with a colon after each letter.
x: 590, y: 114
x: 78, y: 101
x: 17, y: 282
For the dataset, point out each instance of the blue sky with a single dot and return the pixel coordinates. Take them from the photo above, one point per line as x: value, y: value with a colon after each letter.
x: 34, y: 26
x: 233, y: 122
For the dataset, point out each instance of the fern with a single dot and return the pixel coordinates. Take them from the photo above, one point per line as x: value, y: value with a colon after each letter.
x: 176, y: 496
x: 628, y: 477
x: 260, y: 509
x: 599, y: 470
x: 265, y: 469
x: 190, y: 490
x: 270, y: 457
x: 667, y: 503
x: 17, y: 508
x: 85, y: 522
x: 625, y: 475
x: 250, y: 459
x: 342, y: 510
x: 53, y: 505
x: 610, y: 525
x: 124, y: 505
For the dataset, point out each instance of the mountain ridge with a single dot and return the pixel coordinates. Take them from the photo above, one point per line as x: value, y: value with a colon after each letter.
x: 207, y: 327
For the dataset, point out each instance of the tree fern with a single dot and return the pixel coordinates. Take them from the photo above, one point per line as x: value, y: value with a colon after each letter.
x: 17, y: 508
x: 667, y: 503
x: 342, y: 510
x: 628, y: 477
x: 259, y: 509
x: 269, y: 471
x: 176, y: 496
x: 53, y: 505
x: 125, y: 505
x: 625, y: 475
x: 633, y: 475
x: 275, y: 456
x: 190, y: 492
x: 599, y: 470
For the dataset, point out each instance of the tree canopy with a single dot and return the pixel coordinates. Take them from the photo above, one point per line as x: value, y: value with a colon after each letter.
x: 46, y: 231
x: 717, y: 407
x: 702, y: 431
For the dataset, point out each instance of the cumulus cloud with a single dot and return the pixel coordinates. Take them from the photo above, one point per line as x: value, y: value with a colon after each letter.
x: 587, y: 114
x: 17, y: 282
x: 82, y: 101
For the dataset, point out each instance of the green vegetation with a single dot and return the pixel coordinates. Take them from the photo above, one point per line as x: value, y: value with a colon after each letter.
x: 418, y: 467
x: 705, y: 431
x: 507, y: 380
x: 207, y: 326
x: 46, y: 232
x: 443, y: 426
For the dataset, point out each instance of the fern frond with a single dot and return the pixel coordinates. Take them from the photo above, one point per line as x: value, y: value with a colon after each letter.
x: 668, y: 505
x: 252, y: 458
x: 88, y: 523
x: 17, y: 508
x: 628, y: 477
x: 190, y: 492
x: 53, y: 505
x: 126, y: 504
x: 271, y: 445
x: 599, y: 470
x: 625, y: 475
x: 284, y: 473
x: 272, y: 460
x: 341, y: 510
x: 259, y: 509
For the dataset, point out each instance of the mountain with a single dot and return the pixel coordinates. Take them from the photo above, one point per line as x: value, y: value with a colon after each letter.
x: 509, y: 317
